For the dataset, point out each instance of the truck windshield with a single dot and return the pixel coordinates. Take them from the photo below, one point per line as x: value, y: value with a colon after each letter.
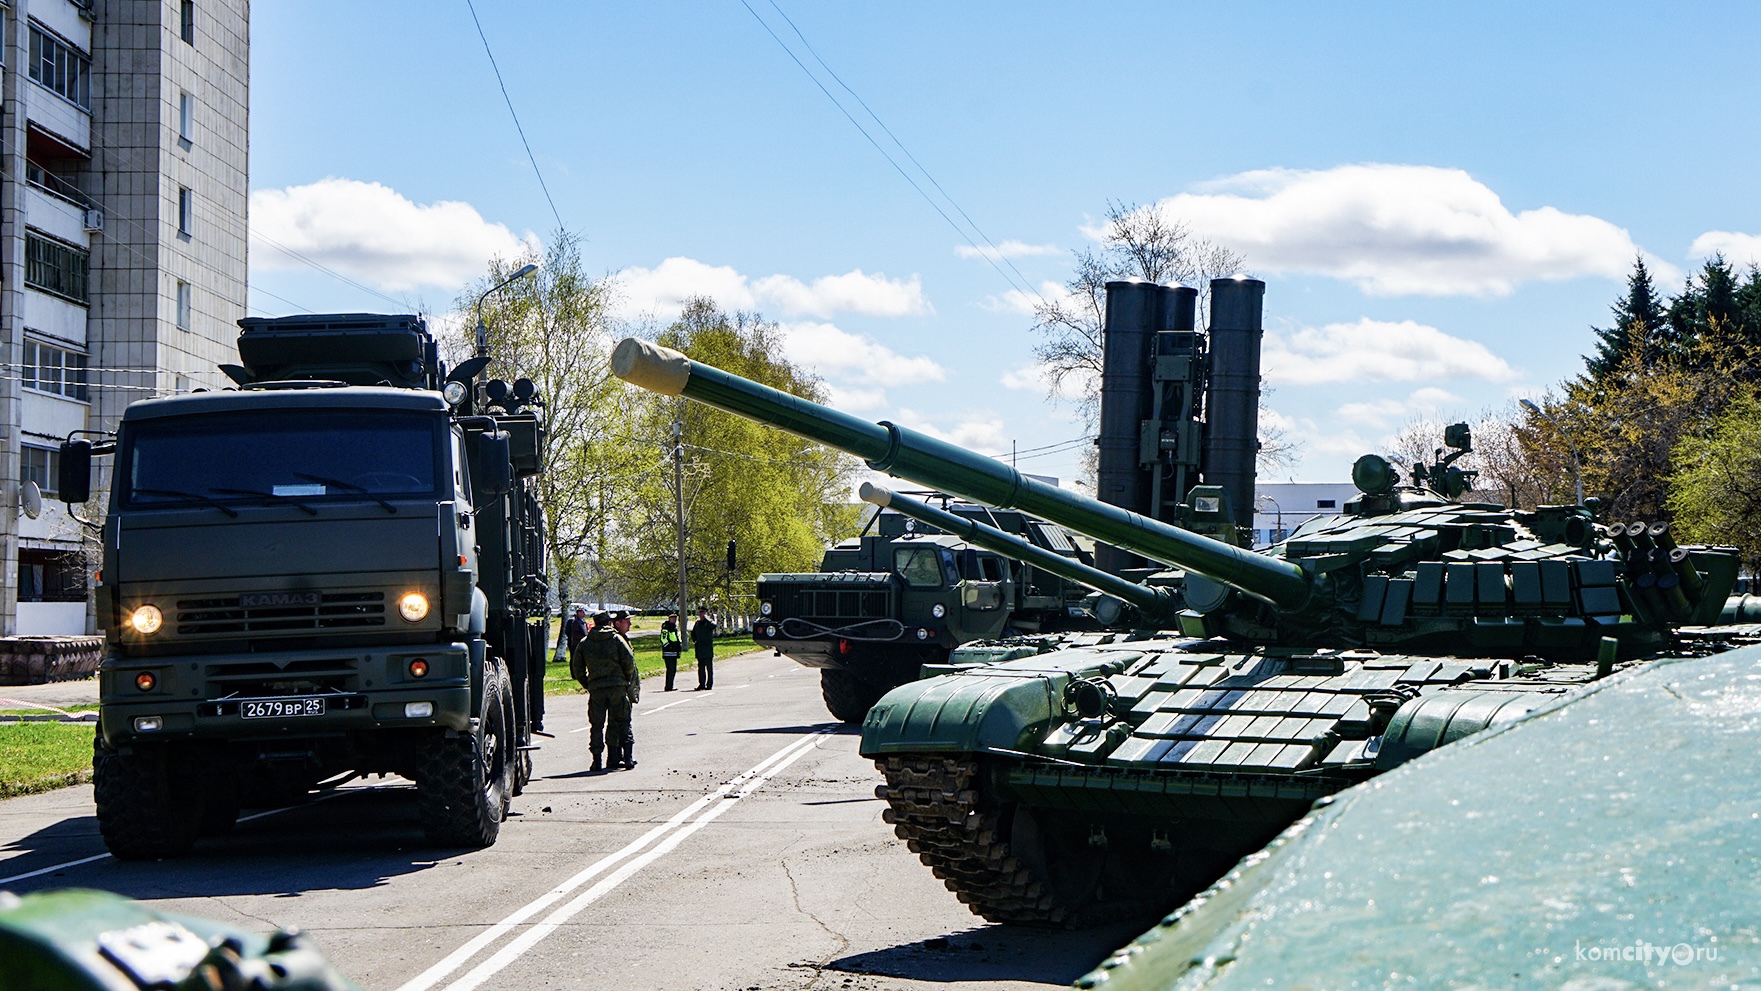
x: 294, y: 456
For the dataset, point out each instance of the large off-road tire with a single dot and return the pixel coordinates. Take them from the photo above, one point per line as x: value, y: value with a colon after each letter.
x: 146, y: 809
x: 848, y: 696
x: 463, y: 781
x: 519, y: 761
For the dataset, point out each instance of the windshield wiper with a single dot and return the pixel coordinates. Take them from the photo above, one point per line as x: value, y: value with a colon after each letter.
x: 178, y: 494
x: 350, y: 486
x: 308, y: 510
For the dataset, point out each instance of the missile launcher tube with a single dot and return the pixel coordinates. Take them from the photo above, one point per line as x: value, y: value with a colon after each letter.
x: 907, y: 454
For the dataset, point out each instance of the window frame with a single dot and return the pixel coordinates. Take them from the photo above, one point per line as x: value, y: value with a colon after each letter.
x: 186, y: 210
x: 185, y: 305
x: 186, y: 117
x: 59, y: 67
x: 40, y: 255
x: 186, y: 21
x: 70, y: 378
x: 48, y: 481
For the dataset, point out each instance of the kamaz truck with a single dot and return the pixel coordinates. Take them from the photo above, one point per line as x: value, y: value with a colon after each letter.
x: 334, y: 569
x: 904, y: 594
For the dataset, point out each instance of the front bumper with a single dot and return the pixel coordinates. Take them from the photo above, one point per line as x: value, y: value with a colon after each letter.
x: 364, y: 689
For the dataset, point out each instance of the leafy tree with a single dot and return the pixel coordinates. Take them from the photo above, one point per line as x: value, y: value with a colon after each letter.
x: 1712, y: 492
x: 779, y: 498
x: 551, y: 327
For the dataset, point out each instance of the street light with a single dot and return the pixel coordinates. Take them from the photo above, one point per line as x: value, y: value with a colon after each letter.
x: 483, y: 331
x: 1277, y: 509
x: 1577, y: 471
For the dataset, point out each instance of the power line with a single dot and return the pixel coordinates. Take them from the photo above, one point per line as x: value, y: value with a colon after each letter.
x: 895, y: 138
x: 510, y: 102
x: 990, y: 256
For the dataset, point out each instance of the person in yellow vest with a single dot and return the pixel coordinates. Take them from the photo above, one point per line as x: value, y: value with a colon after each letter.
x: 672, y: 644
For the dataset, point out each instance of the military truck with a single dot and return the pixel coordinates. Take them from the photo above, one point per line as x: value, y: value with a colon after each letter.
x: 902, y: 594
x: 334, y: 569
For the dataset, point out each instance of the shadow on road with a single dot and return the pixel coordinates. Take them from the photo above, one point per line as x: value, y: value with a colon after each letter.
x: 994, y: 953
x: 353, y: 839
x: 831, y: 729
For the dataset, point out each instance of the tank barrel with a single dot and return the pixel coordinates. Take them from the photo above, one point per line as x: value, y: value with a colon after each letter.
x: 1153, y: 603
x: 922, y: 459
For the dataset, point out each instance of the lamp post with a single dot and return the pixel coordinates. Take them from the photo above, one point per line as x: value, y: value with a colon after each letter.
x: 1279, y: 510
x: 1577, y: 472
x: 482, y: 330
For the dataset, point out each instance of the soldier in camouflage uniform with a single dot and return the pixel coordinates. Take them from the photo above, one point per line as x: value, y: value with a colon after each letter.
x: 605, y: 665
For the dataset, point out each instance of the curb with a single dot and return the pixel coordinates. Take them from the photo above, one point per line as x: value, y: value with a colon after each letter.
x: 76, y: 717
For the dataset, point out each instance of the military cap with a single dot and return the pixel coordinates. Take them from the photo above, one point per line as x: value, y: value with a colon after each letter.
x: 601, y: 618
x: 618, y: 615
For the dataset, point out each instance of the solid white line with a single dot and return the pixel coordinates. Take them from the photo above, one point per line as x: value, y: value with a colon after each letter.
x: 50, y: 870
x: 105, y: 856
x: 669, y: 705
x: 530, y: 938
x: 454, y: 960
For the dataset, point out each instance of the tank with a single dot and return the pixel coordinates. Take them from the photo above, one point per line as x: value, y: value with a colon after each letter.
x: 1077, y: 778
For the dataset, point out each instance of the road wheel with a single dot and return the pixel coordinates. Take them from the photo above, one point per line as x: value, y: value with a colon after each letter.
x: 140, y: 814
x: 848, y: 697
x: 519, y: 761
x: 462, y: 782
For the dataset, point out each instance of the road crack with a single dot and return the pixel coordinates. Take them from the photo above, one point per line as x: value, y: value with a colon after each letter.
x: 818, y: 967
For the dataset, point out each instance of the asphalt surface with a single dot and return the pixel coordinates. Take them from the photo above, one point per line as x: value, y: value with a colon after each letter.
x: 745, y: 852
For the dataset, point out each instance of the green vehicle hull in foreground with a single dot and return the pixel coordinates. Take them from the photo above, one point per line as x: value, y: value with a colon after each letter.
x: 1068, y: 779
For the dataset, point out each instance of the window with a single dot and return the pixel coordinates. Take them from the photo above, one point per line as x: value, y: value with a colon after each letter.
x: 51, y: 576
x: 61, y: 69
x: 53, y: 267
x: 48, y: 368
x: 41, y: 465
x: 186, y: 210
x: 921, y: 567
x: 186, y: 117
x: 1326, y: 504
x: 183, y: 305
x: 186, y: 21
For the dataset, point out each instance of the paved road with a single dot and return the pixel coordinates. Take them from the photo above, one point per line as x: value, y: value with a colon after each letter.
x: 744, y: 852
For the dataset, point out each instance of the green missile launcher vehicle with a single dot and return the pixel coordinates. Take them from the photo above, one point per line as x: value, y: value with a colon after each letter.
x: 1066, y: 779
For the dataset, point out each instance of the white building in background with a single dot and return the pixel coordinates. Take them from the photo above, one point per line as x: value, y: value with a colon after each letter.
x: 1280, y: 507
x: 123, y: 185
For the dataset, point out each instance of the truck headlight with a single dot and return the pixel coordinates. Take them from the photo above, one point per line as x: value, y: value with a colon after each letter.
x: 764, y: 609
x: 454, y: 392
x: 938, y: 610
x: 146, y: 620
x: 413, y: 607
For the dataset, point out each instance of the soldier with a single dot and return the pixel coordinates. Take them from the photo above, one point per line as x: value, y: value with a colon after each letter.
x: 703, y: 642
x: 605, y: 665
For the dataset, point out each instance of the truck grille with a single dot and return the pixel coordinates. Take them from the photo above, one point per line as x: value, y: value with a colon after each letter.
x: 335, y: 610
x: 825, y: 605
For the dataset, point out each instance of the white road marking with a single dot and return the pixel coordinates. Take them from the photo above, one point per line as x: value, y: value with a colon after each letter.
x: 676, y: 826
x: 105, y: 856
x: 669, y: 705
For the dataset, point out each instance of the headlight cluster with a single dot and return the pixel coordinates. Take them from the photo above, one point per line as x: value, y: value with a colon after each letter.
x: 146, y: 620
x: 938, y: 610
x: 764, y: 609
x: 413, y: 607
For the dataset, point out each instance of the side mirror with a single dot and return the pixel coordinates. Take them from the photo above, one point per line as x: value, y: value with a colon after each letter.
x: 74, y: 475
x: 498, y: 466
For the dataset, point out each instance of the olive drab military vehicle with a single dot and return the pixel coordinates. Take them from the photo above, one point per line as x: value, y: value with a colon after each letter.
x: 1062, y: 779
x: 903, y: 594
x: 334, y: 569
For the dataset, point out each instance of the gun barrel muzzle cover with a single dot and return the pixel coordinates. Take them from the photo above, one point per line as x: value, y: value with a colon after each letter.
x: 655, y: 368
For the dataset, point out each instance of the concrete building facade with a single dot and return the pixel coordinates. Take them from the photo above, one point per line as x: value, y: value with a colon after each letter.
x: 124, y: 156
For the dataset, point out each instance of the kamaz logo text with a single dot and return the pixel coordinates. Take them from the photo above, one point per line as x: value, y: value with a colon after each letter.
x: 270, y: 600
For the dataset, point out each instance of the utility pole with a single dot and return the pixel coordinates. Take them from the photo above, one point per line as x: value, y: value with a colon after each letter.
x: 679, y: 508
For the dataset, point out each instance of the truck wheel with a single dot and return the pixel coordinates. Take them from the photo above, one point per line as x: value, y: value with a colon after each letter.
x: 462, y: 781
x: 848, y: 697
x: 140, y: 814
x: 519, y: 761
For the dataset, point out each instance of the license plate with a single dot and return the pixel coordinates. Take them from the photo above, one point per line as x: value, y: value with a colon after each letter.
x: 280, y: 708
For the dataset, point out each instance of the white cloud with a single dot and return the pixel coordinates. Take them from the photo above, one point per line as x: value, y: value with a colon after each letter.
x: 667, y: 286
x: 839, y: 354
x: 371, y: 232
x: 1026, y: 304
x: 982, y: 431
x: 1377, y: 351
x: 1008, y: 249
x: 1387, y: 412
x: 1741, y: 250
x: 1038, y: 378
x: 1401, y: 229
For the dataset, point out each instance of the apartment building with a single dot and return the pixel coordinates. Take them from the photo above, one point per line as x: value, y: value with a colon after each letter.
x: 123, y: 165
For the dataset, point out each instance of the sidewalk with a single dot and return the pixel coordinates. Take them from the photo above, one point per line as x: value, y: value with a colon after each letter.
x: 49, y: 700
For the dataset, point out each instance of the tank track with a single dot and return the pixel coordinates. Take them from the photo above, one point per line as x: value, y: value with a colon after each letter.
x: 933, y: 806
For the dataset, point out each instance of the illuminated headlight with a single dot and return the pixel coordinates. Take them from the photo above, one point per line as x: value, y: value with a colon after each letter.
x: 418, y: 710
x: 922, y: 634
x: 938, y: 610
x: 454, y: 393
x: 764, y: 609
x: 413, y: 607
x: 149, y: 724
x: 146, y: 620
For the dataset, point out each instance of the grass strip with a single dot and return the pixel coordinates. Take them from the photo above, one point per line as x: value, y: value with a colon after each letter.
x: 42, y: 756
x: 648, y: 662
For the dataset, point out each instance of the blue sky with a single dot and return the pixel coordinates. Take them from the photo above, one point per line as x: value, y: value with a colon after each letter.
x: 1441, y: 198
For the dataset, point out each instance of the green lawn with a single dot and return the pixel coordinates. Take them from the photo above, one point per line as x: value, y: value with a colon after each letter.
x: 648, y: 662
x: 40, y: 756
